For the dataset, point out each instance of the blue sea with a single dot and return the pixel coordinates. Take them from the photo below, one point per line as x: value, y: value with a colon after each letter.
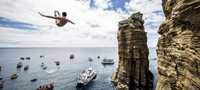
x: 69, y: 69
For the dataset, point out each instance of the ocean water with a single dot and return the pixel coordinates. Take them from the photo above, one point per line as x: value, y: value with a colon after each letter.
x: 70, y: 69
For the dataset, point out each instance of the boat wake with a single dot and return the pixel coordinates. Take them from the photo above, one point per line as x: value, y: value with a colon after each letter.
x: 51, y: 70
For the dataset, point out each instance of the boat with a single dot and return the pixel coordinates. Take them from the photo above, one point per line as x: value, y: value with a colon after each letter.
x: 71, y: 56
x: 22, y: 58
x: 90, y: 59
x: 14, y: 76
x: 42, y: 64
x: 107, y: 61
x: 41, y: 56
x: 26, y: 67
x: 28, y: 58
x: 45, y: 67
x: 86, y: 76
x: 34, y: 79
x: 19, y: 65
x: 47, y: 87
x: 1, y: 78
x: 57, y: 63
x: 154, y: 59
x: 98, y: 57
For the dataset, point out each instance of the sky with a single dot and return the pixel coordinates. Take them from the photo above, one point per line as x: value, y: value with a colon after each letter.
x: 96, y: 22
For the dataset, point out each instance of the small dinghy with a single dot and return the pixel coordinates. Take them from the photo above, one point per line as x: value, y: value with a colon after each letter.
x: 57, y: 62
x: 90, y: 59
x: 19, y: 65
x: 41, y: 56
x: 34, y: 79
x: 14, y: 76
x: 48, y: 87
x: 22, y: 58
x: 72, y: 56
x: 26, y: 67
x: 28, y: 58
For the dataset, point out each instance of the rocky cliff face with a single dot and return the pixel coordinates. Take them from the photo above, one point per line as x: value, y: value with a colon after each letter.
x: 179, y: 46
x: 132, y: 72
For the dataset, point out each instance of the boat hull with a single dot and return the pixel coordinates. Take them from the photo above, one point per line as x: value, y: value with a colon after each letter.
x: 19, y: 66
x: 108, y: 62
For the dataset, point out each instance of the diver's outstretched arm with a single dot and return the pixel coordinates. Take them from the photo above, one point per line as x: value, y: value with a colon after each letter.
x: 48, y: 16
x: 71, y: 21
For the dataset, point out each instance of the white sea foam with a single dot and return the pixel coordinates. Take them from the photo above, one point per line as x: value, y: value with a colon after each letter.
x: 51, y: 70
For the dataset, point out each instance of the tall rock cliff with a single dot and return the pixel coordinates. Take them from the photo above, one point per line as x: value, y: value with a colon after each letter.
x: 179, y: 46
x: 132, y: 72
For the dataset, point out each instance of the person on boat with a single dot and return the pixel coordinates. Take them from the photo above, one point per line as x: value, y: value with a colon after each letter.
x: 60, y: 21
x: 40, y: 88
x: 51, y: 85
x: 46, y: 86
x: 43, y: 88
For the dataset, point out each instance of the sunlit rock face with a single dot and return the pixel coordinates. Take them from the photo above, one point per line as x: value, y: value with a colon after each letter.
x: 132, y: 72
x: 179, y: 46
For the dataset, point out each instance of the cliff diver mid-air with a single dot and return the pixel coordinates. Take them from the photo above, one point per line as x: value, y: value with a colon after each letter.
x: 60, y: 21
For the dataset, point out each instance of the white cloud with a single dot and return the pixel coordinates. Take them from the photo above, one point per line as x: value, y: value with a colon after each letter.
x: 103, y: 4
x: 94, y: 26
x: 144, y: 6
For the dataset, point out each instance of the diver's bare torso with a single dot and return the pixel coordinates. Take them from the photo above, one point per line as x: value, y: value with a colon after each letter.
x: 61, y: 22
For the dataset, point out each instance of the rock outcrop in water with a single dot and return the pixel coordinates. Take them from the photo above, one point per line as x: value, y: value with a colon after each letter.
x: 132, y: 72
x: 179, y: 46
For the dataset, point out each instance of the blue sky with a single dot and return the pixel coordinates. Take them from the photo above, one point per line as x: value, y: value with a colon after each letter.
x: 4, y: 22
x: 96, y: 22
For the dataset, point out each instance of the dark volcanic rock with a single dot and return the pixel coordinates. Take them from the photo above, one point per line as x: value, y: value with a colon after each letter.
x: 132, y: 72
x: 179, y: 46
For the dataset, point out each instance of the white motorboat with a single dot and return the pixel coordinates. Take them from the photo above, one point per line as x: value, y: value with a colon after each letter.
x: 86, y: 76
x: 107, y: 61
